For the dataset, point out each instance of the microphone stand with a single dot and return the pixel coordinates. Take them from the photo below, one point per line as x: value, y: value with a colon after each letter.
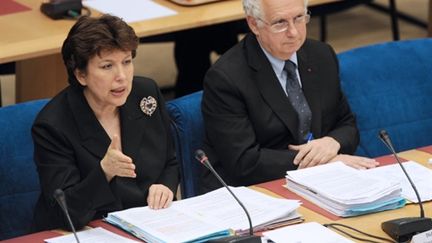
x: 61, y: 200
x: 403, y: 229
x: 251, y: 238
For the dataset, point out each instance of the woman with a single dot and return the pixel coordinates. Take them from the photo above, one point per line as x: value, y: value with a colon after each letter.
x: 105, y: 139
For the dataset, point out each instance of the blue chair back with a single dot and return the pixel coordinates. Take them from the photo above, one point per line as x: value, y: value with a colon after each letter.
x: 188, y: 130
x: 19, y: 179
x: 389, y: 86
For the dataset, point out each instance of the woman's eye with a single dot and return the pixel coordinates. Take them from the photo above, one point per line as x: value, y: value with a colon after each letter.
x: 106, y: 66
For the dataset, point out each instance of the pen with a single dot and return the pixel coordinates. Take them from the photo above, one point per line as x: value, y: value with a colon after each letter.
x: 309, y: 137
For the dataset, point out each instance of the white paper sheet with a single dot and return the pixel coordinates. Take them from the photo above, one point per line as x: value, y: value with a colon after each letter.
x: 342, y: 183
x: 222, y: 208
x: 305, y: 233
x: 419, y: 174
x: 345, y: 191
x: 130, y: 10
x: 96, y: 235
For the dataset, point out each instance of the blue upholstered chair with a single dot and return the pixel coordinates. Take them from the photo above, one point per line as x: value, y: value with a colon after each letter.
x: 389, y: 86
x: 19, y: 182
x: 188, y: 129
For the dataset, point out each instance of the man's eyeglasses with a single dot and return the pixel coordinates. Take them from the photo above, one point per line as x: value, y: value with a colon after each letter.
x: 283, y: 24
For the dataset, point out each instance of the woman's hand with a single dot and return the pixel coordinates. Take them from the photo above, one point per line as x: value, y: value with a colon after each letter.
x: 115, y: 163
x: 159, y: 196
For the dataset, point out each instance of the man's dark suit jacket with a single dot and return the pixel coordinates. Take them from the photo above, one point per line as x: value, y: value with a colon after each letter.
x: 250, y: 122
x: 70, y: 143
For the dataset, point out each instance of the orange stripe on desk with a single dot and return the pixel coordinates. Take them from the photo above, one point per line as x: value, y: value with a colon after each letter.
x: 418, y: 156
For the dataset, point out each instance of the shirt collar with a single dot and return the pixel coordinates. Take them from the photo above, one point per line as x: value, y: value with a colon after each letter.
x: 278, y: 64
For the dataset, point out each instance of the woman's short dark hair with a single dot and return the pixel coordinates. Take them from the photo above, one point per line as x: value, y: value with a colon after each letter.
x: 90, y: 36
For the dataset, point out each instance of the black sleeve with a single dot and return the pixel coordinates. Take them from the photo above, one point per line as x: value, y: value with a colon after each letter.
x: 56, y: 163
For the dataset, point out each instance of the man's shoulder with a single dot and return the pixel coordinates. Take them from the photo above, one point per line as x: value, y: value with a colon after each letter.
x: 311, y: 43
x: 235, y: 54
x: 236, y: 60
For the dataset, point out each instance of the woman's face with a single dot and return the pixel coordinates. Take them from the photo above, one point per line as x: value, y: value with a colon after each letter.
x: 108, y: 79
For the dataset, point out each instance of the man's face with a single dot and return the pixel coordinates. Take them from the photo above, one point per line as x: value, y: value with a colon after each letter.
x: 277, y: 13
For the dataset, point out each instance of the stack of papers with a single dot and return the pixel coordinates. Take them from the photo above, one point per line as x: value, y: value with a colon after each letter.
x: 420, y: 175
x: 209, y: 216
x: 345, y: 191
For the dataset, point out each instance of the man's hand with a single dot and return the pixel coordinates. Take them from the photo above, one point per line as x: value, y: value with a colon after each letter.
x: 115, y: 163
x: 357, y: 162
x: 315, y: 152
x: 159, y: 196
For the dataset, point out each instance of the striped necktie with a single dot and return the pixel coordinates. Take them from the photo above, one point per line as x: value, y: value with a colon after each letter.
x: 298, y: 100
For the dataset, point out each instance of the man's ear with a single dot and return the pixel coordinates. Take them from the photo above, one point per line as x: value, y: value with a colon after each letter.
x: 81, y: 77
x: 253, y: 24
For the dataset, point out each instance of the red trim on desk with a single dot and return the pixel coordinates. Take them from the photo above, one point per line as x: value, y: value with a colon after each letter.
x: 10, y: 7
x: 427, y: 149
x: 33, y: 238
x: 387, y: 160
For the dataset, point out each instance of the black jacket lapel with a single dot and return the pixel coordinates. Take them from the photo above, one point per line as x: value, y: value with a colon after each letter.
x: 269, y: 85
x: 132, y: 125
x: 311, y: 89
x: 93, y: 136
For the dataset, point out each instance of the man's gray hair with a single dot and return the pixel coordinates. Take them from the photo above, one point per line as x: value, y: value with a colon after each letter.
x: 253, y: 8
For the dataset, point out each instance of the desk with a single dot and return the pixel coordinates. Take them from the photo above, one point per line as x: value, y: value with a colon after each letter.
x: 370, y: 223
x: 34, y: 41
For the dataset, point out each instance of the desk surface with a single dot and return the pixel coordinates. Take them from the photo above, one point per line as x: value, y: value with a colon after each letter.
x: 31, y: 34
x: 34, y: 41
x: 370, y: 223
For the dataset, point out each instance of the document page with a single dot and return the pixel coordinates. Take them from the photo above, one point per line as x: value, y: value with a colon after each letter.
x: 96, y: 235
x: 166, y: 225
x: 419, y: 174
x: 345, y: 191
x: 130, y: 10
x: 305, y: 233
x: 207, y: 216
x: 222, y: 208
x: 342, y: 183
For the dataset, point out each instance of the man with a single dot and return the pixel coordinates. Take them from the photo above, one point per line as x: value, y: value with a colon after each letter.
x: 273, y: 102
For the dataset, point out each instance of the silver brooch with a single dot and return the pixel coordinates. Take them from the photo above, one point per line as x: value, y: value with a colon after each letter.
x: 148, y: 105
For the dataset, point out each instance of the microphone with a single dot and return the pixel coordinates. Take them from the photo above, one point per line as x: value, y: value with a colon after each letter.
x: 403, y: 229
x: 61, y: 200
x: 251, y: 238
